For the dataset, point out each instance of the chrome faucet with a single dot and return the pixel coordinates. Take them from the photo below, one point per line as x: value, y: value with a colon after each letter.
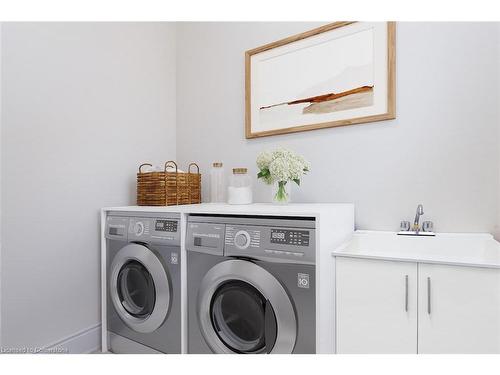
x: 420, y: 212
x: 427, y: 228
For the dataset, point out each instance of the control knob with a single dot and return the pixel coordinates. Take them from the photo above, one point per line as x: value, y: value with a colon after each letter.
x: 242, y: 239
x: 139, y: 228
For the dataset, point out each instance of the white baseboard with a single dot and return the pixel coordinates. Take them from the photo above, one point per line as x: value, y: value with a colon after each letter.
x: 83, y: 342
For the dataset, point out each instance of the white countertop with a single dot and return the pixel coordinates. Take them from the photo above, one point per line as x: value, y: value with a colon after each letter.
x: 466, y: 249
x: 292, y: 209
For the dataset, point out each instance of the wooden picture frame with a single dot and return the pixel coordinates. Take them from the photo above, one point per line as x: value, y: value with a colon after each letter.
x: 343, y: 103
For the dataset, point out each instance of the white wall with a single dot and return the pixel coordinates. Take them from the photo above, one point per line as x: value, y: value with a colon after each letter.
x: 497, y: 231
x: 440, y: 151
x: 0, y: 184
x: 83, y: 105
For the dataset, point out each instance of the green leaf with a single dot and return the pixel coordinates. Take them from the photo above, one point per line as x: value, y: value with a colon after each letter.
x: 297, y: 181
x: 263, y: 173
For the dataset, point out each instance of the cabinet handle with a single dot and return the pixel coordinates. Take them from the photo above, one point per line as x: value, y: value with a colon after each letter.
x: 429, y: 295
x: 406, y: 292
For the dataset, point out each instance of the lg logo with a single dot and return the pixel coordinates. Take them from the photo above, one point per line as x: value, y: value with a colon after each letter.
x: 303, y: 280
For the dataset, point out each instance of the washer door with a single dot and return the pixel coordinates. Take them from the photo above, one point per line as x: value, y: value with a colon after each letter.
x: 139, y: 287
x: 242, y: 308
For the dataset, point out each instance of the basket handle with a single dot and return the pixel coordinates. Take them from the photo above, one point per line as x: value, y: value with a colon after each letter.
x: 189, y: 183
x: 193, y: 164
x: 142, y: 165
x: 170, y: 163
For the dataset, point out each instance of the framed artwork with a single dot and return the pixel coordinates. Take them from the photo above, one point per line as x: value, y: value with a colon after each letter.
x: 339, y: 74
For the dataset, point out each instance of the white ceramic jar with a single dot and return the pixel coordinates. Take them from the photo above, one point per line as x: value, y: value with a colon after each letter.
x: 239, y: 190
x: 217, y: 183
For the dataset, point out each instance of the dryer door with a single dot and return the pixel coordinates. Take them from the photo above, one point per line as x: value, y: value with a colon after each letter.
x: 139, y: 288
x: 242, y: 308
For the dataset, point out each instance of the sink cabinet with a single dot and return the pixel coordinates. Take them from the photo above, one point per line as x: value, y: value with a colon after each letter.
x: 458, y: 309
x: 376, y: 306
x: 408, y: 307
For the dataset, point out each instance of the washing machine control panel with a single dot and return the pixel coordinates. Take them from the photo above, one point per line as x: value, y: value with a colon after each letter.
x: 154, y: 230
x: 282, y: 244
x: 268, y: 239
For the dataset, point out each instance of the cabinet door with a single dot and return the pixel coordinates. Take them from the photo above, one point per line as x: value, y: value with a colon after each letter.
x: 376, y: 305
x: 459, y: 309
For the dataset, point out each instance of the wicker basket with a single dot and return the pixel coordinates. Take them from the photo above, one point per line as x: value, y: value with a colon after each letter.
x: 168, y: 188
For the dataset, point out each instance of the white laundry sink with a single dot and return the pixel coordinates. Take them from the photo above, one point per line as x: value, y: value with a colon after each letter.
x: 472, y: 249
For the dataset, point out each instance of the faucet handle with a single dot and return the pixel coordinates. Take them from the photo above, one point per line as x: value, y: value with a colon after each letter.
x: 428, y: 226
x: 404, y: 226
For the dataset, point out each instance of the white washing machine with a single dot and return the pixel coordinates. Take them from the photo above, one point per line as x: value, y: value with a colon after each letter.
x: 143, y: 283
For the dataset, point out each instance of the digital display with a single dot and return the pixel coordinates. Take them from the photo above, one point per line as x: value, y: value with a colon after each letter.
x: 278, y: 235
x: 290, y: 237
x: 166, y: 226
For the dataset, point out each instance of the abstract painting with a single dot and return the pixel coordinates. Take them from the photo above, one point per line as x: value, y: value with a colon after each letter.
x: 339, y: 74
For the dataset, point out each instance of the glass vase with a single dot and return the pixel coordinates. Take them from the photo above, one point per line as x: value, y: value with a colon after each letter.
x: 282, y: 192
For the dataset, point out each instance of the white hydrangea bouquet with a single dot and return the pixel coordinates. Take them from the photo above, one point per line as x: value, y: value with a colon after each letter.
x: 280, y: 167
